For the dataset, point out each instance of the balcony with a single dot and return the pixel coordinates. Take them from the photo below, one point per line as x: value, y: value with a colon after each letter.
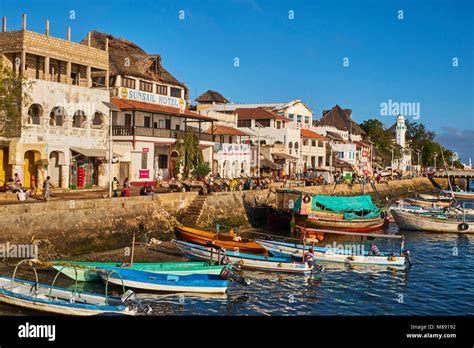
x: 153, y: 132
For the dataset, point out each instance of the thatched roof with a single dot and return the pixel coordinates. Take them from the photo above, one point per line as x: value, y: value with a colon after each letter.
x: 340, y: 119
x: 142, y: 65
x: 211, y: 97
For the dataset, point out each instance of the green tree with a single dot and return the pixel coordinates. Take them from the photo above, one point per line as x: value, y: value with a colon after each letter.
x: 190, y: 155
x: 13, y: 97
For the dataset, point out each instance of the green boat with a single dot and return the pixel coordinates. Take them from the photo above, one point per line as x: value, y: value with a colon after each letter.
x: 88, y: 271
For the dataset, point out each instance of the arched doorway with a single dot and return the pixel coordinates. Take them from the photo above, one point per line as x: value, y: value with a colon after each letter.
x: 235, y: 169
x: 174, y: 156
x: 56, y: 159
x: 226, y: 169
x: 30, y: 168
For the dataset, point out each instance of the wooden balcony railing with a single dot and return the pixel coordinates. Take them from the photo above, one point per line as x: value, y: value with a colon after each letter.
x: 153, y: 132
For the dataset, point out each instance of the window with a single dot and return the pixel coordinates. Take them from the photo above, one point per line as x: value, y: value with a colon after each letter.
x: 278, y: 125
x: 147, y: 121
x: 57, y: 116
x: 78, y: 119
x: 146, y: 86
x: 320, y: 143
x: 97, y: 119
x: 291, y: 116
x: 129, y: 83
x: 313, y: 142
x: 177, y: 127
x: 35, y: 112
x: 264, y: 123
x: 305, y: 142
x: 175, y: 92
x: 144, y: 160
x: 168, y: 124
x: 244, y: 123
x: 162, y: 161
x: 161, y: 89
x: 128, y: 119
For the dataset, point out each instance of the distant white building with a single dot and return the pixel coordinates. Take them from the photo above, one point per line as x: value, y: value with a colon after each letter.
x: 404, y: 162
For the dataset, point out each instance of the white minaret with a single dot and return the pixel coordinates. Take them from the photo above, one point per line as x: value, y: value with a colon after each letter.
x: 400, y: 131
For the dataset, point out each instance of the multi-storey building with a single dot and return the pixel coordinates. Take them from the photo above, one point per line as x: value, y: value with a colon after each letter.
x: 64, y: 119
x: 153, y: 110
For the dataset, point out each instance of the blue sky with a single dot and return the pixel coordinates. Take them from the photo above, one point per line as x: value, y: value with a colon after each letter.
x: 404, y: 60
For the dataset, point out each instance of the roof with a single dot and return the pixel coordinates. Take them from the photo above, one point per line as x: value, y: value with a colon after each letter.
x: 225, y: 130
x: 258, y: 114
x: 340, y: 119
x: 306, y: 133
x: 361, y: 143
x: 285, y: 156
x: 142, y: 65
x: 271, y: 106
x: 266, y: 163
x: 126, y: 104
x: 211, y: 97
x: 334, y: 135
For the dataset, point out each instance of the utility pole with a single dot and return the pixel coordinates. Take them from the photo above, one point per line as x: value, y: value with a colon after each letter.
x: 435, y: 155
x: 110, y: 154
x: 258, y: 125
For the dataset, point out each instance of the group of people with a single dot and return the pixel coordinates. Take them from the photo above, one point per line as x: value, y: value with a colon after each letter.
x: 146, y: 190
x: 16, y: 186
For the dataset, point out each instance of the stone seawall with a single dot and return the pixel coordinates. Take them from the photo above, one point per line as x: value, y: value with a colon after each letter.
x: 71, y: 227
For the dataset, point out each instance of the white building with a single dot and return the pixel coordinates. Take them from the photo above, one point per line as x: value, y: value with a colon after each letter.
x: 63, y: 129
x: 404, y: 162
x: 268, y: 128
x: 313, y: 150
x: 153, y: 112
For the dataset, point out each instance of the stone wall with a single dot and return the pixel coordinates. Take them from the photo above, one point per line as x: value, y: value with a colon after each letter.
x: 72, y: 227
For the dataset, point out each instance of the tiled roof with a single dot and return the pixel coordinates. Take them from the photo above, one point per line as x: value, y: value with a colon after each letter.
x: 126, y: 104
x: 224, y: 130
x: 258, y: 114
x: 306, y: 133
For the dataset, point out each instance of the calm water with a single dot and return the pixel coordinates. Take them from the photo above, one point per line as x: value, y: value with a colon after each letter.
x: 439, y: 283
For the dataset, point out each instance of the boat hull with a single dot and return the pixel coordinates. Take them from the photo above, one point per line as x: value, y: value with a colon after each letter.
x: 323, y: 254
x: 460, y: 195
x: 417, y: 222
x: 176, y: 268
x: 368, y: 225
x: 247, y: 261
x: 201, y: 283
x: 193, y: 235
x: 43, y: 303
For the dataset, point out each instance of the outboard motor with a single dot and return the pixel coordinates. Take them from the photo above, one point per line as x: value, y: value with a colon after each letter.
x: 229, y: 273
x: 130, y: 300
x: 407, y: 255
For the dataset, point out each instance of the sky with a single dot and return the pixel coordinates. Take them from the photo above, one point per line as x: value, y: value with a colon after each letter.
x: 370, y: 56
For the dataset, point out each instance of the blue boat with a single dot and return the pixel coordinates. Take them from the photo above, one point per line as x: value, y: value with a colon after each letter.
x: 202, y: 283
x: 248, y: 261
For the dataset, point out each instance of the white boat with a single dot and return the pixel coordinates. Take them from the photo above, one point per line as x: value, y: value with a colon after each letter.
x: 348, y: 256
x: 248, y: 261
x: 420, y: 222
x: 31, y: 295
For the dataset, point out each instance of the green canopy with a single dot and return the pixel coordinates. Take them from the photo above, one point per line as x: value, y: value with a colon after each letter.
x: 344, y: 203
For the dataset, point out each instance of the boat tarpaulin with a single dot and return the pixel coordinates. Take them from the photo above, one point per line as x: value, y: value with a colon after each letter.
x: 344, y: 203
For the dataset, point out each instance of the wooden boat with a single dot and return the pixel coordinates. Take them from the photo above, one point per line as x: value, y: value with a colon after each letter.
x: 327, y: 254
x: 48, y: 298
x: 433, y: 197
x: 419, y: 222
x: 247, y: 261
x: 428, y: 203
x: 465, y: 195
x: 88, y: 270
x: 227, y: 242
x: 354, y: 225
x: 202, y: 283
x: 31, y: 295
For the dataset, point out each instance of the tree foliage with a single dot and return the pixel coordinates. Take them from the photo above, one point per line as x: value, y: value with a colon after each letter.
x: 418, y: 138
x: 13, y: 97
x: 190, y: 157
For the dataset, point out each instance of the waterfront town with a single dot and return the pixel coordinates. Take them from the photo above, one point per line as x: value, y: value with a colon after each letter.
x: 106, y: 162
x: 103, y: 108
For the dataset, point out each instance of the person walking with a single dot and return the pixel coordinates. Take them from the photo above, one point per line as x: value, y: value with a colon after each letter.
x: 47, y: 188
x: 115, y: 184
x: 126, y: 188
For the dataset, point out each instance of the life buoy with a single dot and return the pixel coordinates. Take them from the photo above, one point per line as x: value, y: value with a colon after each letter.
x: 306, y: 198
x: 351, y: 258
x: 463, y: 226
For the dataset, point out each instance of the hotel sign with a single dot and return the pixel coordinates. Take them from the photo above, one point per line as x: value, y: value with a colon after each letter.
x: 132, y: 94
